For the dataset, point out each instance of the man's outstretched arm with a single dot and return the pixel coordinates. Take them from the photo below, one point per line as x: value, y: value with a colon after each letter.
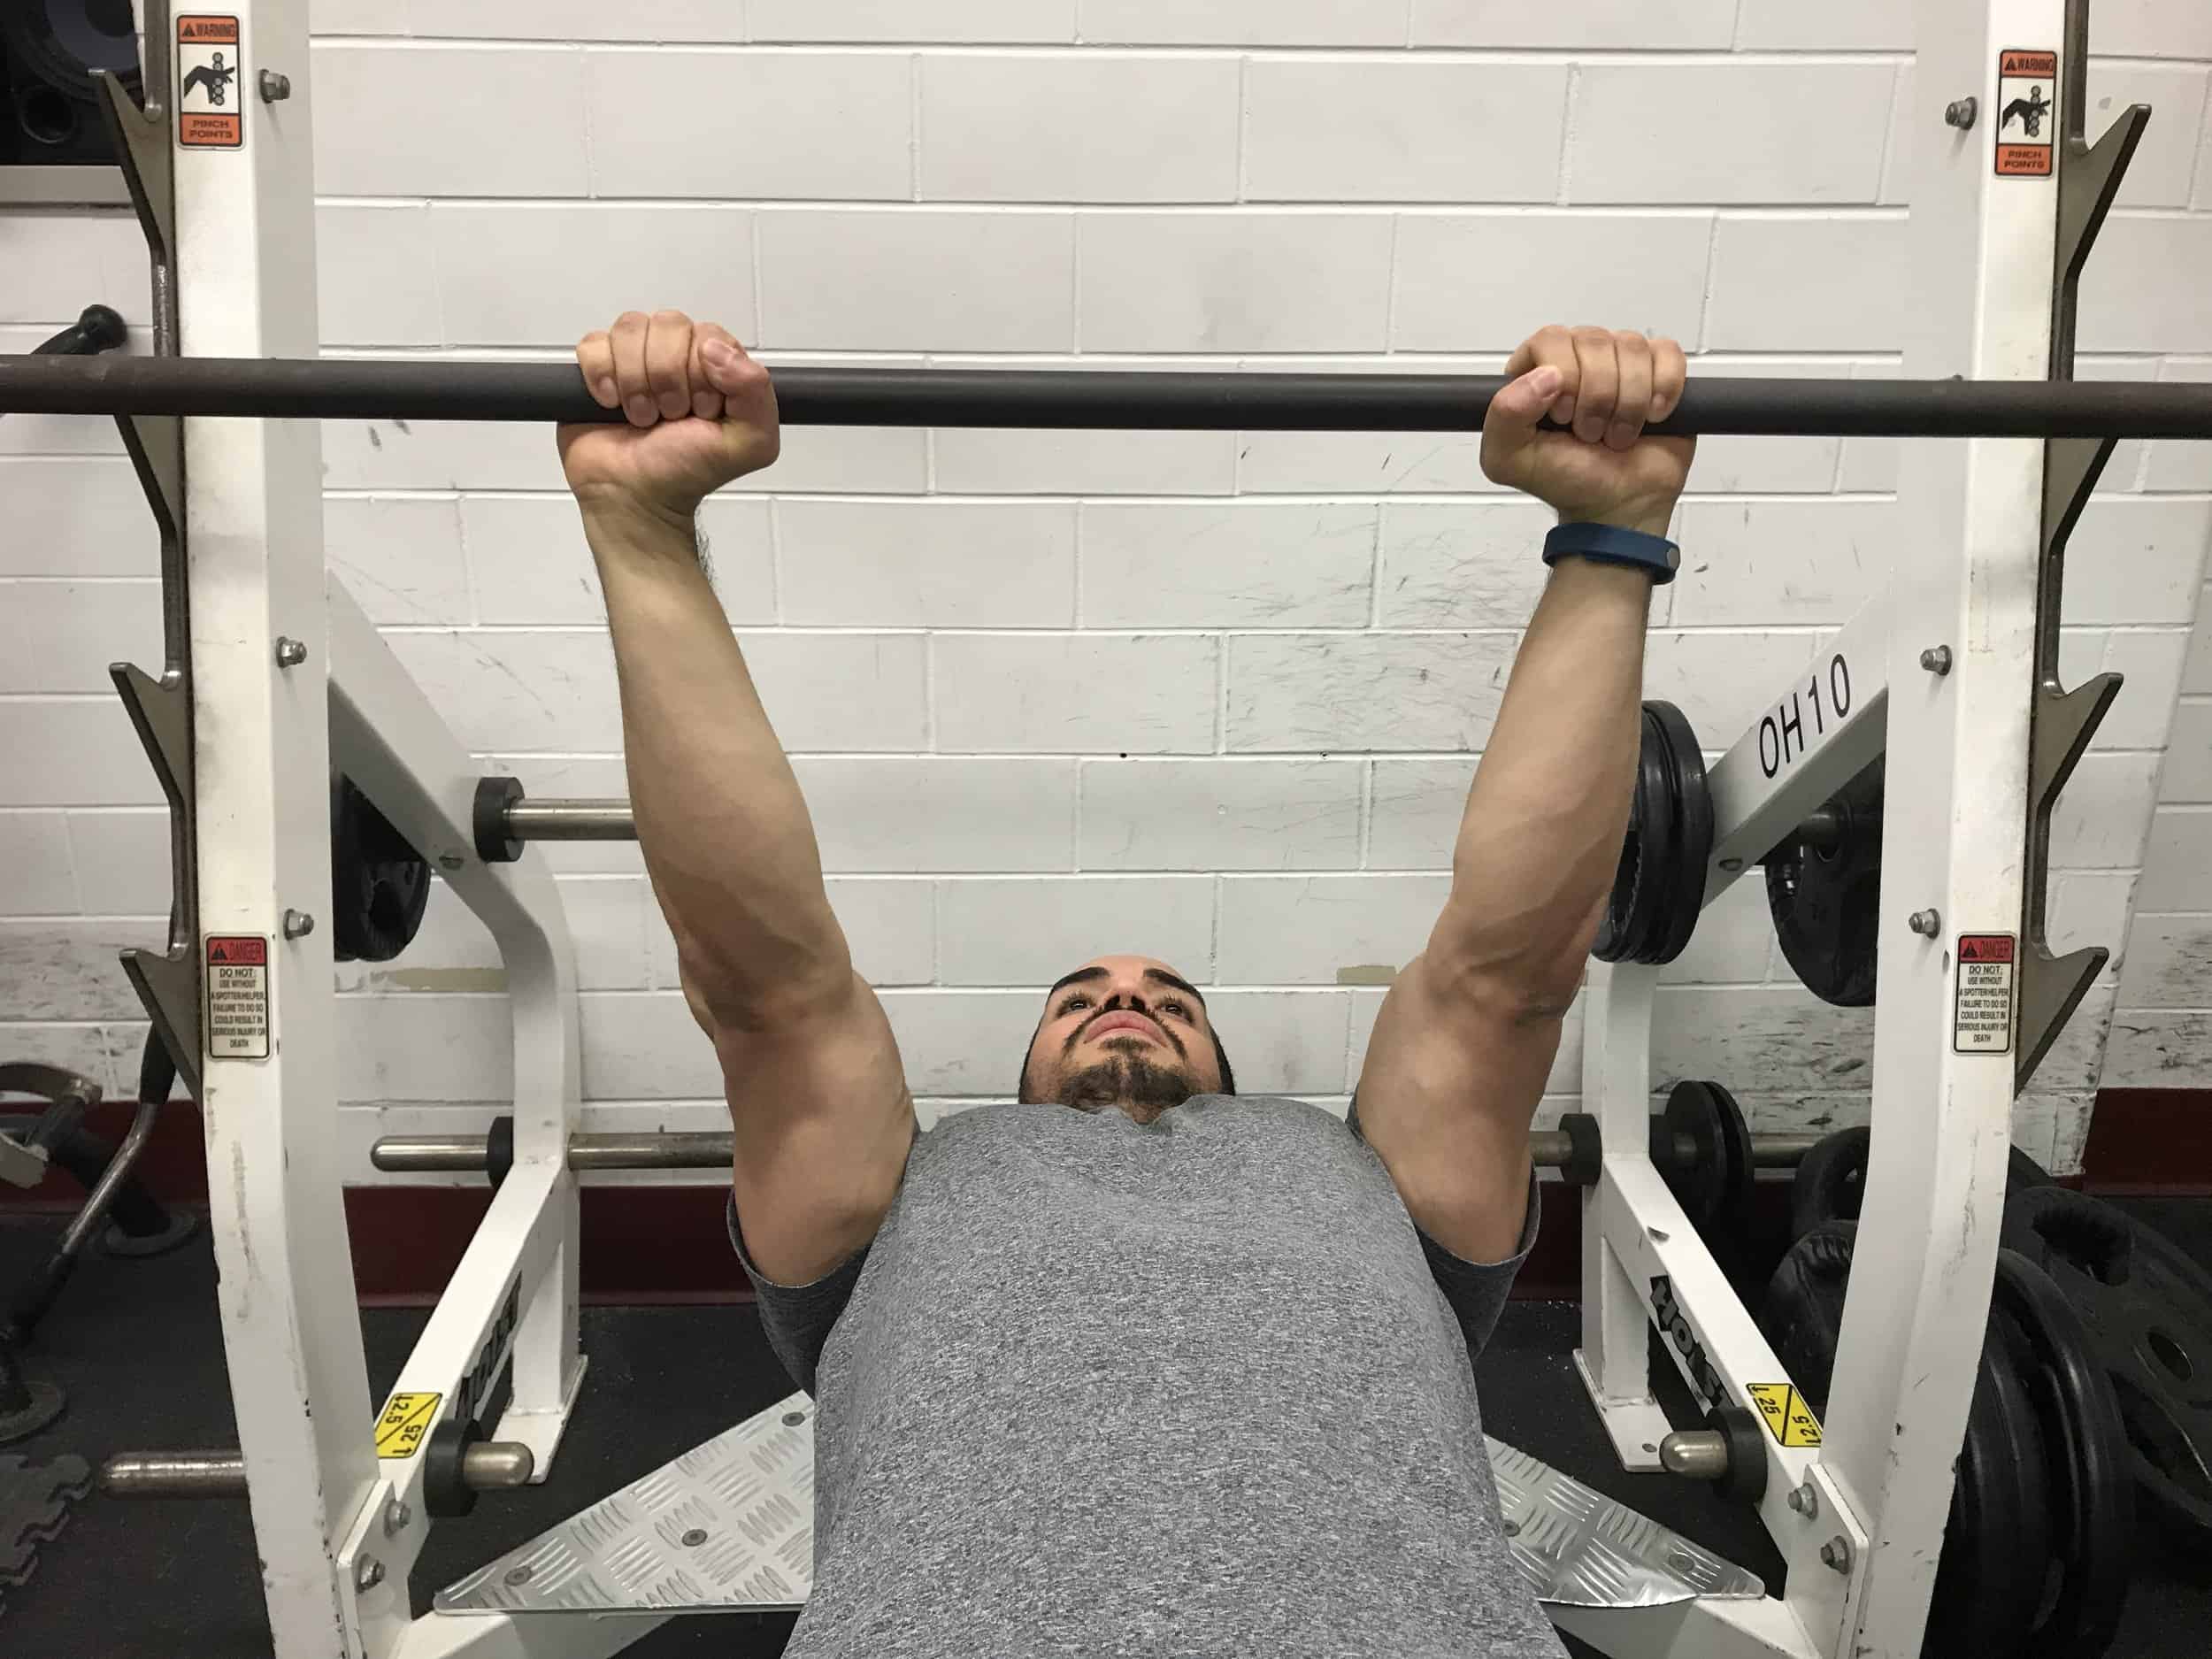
x: 819, y: 1112
x: 1468, y: 1033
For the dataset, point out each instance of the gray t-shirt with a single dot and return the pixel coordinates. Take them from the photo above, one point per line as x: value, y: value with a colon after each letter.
x: 1194, y: 1388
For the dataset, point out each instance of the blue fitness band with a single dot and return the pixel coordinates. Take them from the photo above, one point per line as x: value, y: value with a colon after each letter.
x: 1609, y: 544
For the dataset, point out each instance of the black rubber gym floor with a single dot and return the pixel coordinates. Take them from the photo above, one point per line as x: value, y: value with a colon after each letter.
x: 136, y: 1344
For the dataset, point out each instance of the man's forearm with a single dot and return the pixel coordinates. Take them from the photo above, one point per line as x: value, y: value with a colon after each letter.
x: 1541, y: 840
x: 725, y: 831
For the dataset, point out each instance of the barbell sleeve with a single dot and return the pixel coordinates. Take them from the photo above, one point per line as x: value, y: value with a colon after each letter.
x: 374, y: 390
x: 220, y: 1472
x: 580, y: 820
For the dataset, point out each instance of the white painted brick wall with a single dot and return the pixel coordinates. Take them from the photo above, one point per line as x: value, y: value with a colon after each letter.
x: 1081, y: 137
x: 1214, y: 696
x: 1402, y: 130
x: 1765, y: 133
x: 2162, y: 1028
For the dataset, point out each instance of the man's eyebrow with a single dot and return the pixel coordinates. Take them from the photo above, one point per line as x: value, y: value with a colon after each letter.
x: 1081, y: 976
x: 1157, y: 976
x: 1160, y: 976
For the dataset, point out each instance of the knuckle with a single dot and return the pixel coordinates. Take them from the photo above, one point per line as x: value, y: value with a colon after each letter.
x: 631, y: 320
x: 669, y: 314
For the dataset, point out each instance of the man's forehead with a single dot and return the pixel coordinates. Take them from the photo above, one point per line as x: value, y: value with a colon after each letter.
x: 1094, y: 972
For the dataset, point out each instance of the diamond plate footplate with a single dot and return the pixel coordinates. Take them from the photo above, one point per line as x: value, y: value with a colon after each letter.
x: 731, y: 1525
x: 1581, y: 1549
x: 728, y: 1524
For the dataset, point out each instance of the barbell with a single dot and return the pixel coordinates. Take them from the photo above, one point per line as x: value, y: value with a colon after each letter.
x: 368, y: 390
x: 712, y: 1149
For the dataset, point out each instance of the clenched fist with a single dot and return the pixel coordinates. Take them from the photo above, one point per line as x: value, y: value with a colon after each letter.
x: 1604, y: 384
x: 697, y: 412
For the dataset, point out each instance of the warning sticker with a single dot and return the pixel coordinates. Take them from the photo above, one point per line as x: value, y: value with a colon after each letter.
x: 2027, y: 114
x: 404, y: 1423
x: 211, y: 84
x: 1783, y: 1410
x: 1981, y: 1017
x: 238, y: 997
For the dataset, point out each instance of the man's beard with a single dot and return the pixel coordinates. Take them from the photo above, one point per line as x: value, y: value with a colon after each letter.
x: 1128, y: 1081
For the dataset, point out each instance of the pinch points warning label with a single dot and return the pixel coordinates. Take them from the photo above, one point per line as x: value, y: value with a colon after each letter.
x: 211, y: 84
x: 2027, y: 114
x: 1981, y: 1012
x: 1783, y: 1410
x: 237, y: 996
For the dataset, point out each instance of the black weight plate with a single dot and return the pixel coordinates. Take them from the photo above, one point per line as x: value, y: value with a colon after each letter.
x: 1825, y: 902
x: 1616, y: 942
x: 2148, y: 1310
x: 1635, y: 910
x: 1801, y: 1315
x: 1683, y: 877
x: 1736, y: 1138
x: 1706, y: 1186
x: 1996, y: 1542
x: 1655, y: 843
x: 2092, y: 1499
x: 1830, y: 1178
x: 378, y: 884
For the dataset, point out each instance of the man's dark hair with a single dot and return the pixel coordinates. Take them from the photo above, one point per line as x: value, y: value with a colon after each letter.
x: 1221, y: 1057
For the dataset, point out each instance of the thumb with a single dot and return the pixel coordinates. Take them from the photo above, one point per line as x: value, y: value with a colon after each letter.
x: 1522, y: 403
x: 725, y: 364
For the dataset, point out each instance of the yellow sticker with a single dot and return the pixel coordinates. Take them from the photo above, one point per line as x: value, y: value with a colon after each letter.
x: 406, y: 1423
x: 1788, y: 1419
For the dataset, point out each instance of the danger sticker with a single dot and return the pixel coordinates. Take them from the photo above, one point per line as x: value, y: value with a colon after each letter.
x: 1981, y: 1014
x: 404, y: 1423
x: 2027, y: 114
x: 211, y: 84
x: 1783, y: 1410
x: 238, y: 997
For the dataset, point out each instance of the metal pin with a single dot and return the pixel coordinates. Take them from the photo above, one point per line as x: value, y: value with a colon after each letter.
x: 396, y: 1515
x: 694, y: 1536
x: 368, y: 1572
x: 298, y: 924
x: 522, y: 1574
x: 275, y: 88
x: 1731, y: 864
x: 1805, y: 1501
x: 1959, y: 113
x: 1837, y: 1553
x: 1937, y: 660
x: 450, y: 861
x: 1927, y: 923
x: 291, y: 652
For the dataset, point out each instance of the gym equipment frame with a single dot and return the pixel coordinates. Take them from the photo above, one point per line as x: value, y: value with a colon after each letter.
x: 271, y: 666
x: 1952, y: 672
